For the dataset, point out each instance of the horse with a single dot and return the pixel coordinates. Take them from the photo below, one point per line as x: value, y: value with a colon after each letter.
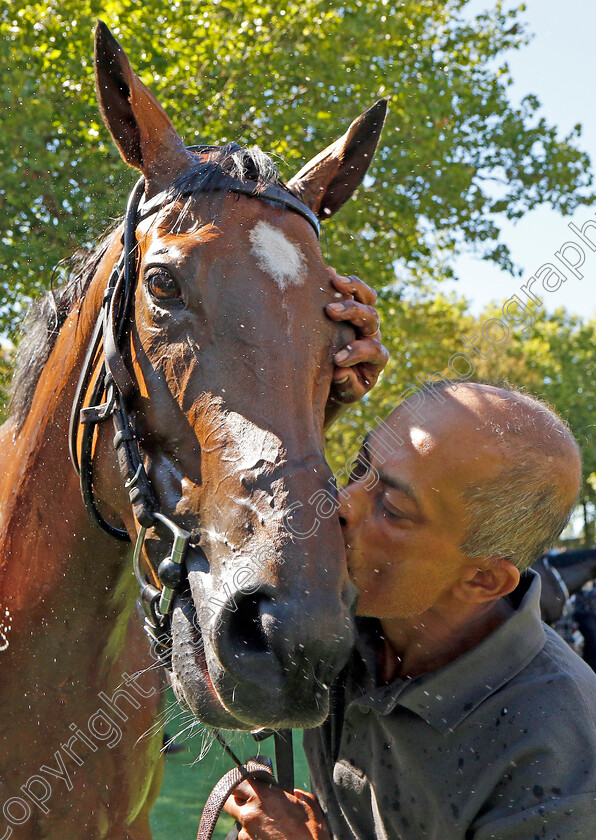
x: 563, y: 573
x: 214, y: 364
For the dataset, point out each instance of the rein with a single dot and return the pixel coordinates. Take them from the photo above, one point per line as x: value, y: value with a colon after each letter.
x: 104, y: 390
x: 258, y: 768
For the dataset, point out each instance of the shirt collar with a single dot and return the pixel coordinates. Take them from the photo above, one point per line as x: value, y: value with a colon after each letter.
x: 444, y: 698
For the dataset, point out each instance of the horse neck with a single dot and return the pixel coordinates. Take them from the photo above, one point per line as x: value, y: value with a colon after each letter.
x: 49, y: 548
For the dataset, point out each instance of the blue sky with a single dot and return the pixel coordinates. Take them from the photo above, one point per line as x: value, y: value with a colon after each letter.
x: 559, y: 66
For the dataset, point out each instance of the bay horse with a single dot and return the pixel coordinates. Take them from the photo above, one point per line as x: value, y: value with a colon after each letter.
x: 218, y: 366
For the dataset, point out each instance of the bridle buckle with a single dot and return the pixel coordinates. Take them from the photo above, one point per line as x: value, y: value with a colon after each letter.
x: 170, y: 571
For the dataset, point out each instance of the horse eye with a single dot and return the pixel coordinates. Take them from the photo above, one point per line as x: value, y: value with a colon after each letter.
x: 162, y: 286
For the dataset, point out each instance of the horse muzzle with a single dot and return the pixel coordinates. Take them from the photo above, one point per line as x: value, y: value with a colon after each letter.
x: 244, y: 660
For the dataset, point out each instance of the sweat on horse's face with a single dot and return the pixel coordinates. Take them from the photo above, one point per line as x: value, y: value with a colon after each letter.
x: 231, y: 427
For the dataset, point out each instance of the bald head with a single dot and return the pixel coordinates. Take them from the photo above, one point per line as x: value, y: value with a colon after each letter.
x: 519, y: 426
x: 525, y: 464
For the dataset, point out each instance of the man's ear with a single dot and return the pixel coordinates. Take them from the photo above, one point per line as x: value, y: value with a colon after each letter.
x: 329, y: 179
x: 479, y: 586
x: 139, y: 125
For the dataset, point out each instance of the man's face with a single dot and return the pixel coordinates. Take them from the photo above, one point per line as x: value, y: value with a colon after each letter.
x: 402, y: 531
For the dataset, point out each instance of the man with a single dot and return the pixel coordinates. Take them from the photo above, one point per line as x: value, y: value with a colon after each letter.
x: 460, y: 715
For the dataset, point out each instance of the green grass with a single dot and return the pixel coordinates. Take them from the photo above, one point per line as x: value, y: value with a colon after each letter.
x: 188, y: 782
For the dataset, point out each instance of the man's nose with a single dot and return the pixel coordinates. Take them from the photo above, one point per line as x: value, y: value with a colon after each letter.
x: 352, y: 500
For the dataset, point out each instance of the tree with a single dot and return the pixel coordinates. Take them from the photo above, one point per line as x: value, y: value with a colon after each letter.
x: 286, y: 76
x: 5, y: 374
x: 555, y: 358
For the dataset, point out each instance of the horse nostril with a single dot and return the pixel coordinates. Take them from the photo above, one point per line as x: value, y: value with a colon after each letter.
x: 262, y: 640
x: 246, y: 625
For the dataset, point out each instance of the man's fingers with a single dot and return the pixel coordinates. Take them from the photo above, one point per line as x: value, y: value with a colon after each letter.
x: 248, y: 789
x: 354, y: 286
x: 303, y: 796
x: 360, y: 315
x: 348, y: 388
x: 233, y: 806
x: 369, y: 350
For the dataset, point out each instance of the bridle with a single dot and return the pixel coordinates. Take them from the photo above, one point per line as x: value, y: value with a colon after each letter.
x: 104, y: 390
x: 106, y: 387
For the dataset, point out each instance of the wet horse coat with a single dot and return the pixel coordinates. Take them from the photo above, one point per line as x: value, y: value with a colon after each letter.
x: 232, y: 359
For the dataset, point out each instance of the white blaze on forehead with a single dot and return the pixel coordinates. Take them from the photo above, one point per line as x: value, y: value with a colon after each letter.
x: 280, y: 258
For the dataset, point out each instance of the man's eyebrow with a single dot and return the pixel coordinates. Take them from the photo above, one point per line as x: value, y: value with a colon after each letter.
x: 389, y: 480
x: 400, y: 485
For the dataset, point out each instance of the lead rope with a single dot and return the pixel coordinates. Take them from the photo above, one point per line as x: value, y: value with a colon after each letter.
x: 256, y: 768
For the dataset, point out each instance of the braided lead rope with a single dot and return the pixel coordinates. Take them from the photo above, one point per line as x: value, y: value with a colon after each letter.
x: 252, y: 769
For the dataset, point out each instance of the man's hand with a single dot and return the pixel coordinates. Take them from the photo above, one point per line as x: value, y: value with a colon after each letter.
x: 359, y: 364
x: 269, y: 813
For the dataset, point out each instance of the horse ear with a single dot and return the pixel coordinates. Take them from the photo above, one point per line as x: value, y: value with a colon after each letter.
x: 139, y: 125
x: 329, y: 179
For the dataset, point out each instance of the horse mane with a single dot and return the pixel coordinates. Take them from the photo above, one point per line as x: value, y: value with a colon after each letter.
x: 43, y: 323
x: 47, y: 315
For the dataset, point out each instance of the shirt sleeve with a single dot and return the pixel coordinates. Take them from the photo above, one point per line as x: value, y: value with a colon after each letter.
x: 566, y: 818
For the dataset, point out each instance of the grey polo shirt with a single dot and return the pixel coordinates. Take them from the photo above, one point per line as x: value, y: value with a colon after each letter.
x: 500, y: 744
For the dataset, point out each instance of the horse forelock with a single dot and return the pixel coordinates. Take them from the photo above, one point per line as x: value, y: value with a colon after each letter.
x: 231, y: 161
x: 217, y: 169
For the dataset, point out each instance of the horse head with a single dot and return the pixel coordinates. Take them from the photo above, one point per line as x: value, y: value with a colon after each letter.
x: 232, y: 354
